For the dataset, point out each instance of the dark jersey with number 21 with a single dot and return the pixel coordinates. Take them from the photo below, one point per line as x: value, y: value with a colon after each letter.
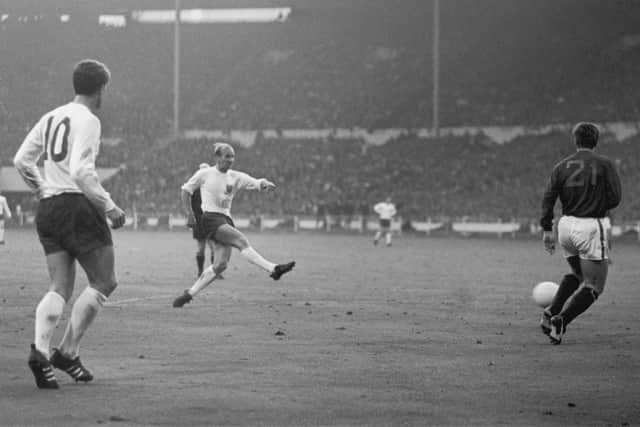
x: 587, y: 185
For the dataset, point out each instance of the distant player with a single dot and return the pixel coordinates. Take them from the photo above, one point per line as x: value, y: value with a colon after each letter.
x: 588, y: 186
x: 198, y: 231
x: 5, y: 213
x: 218, y: 185
x: 71, y: 221
x: 386, y: 211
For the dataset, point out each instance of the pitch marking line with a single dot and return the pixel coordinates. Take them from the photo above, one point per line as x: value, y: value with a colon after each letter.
x: 130, y: 300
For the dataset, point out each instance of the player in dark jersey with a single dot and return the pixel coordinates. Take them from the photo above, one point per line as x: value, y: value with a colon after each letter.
x: 588, y: 186
x: 198, y: 230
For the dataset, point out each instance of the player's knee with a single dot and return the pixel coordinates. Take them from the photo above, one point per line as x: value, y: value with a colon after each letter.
x: 595, y: 293
x: 64, y: 291
x: 111, y: 286
x: 106, y: 287
x: 242, y: 243
x: 220, y: 267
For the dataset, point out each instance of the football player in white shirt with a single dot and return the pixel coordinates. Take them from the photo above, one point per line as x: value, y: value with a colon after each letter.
x: 71, y: 221
x: 386, y: 211
x: 218, y: 185
x: 5, y: 213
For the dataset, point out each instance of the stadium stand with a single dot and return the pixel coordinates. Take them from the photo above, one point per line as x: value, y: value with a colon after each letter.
x: 333, y: 67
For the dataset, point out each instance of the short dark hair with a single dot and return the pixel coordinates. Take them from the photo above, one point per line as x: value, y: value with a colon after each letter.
x: 89, y: 76
x: 586, y: 134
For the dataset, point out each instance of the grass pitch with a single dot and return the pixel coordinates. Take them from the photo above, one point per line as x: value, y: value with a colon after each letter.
x: 431, y: 331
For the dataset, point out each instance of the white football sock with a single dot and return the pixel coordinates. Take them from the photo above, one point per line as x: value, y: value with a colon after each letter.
x: 48, y: 314
x: 83, y: 313
x: 206, y: 278
x: 255, y: 258
x: 388, y: 238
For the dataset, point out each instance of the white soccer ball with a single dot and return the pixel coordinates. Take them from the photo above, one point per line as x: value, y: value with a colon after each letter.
x: 543, y: 293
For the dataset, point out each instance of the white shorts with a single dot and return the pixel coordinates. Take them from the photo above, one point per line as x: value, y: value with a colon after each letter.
x: 584, y: 237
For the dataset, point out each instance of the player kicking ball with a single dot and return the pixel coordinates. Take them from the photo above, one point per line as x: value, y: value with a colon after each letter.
x: 588, y: 186
x: 218, y: 185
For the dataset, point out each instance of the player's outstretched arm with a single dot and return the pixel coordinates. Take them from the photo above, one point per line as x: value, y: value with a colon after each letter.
x: 266, y: 185
x: 247, y: 182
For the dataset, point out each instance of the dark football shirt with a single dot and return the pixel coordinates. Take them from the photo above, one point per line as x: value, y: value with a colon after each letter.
x: 587, y: 185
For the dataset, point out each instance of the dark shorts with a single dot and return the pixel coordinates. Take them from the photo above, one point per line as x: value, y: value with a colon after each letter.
x: 198, y: 231
x: 69, y: 222
x: 385, y: 223
x: 211, y: 221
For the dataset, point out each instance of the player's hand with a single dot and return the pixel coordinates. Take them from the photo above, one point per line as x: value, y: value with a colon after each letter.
x: 266, y: 185
x: 117, y: 217
x: 191, y: 220
x: 549, y: 241
x: 39, y: 193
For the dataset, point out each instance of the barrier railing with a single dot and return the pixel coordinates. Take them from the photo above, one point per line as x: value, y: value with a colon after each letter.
x: 141, y: 221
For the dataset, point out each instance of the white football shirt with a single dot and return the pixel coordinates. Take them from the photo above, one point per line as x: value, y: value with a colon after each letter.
x: 217, y: 189
x: 5, y: 212
x: 385, y: 210
x: 69, y: 139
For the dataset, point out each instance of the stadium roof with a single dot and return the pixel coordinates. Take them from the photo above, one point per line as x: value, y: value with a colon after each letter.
x: 104, y: 6
x: 10, y: 180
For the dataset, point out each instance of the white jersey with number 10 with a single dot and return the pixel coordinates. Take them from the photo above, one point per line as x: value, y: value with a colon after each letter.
x: 69, y: 139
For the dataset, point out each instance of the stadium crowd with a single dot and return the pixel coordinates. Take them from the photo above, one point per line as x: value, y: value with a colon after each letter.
x: 447, y: 178
x: 335, y: 68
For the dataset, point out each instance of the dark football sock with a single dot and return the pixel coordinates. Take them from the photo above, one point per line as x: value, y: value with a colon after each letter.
x: 200, y: 262
x: 212, y: 259
x: 579, y: 303
x: 568, y: 286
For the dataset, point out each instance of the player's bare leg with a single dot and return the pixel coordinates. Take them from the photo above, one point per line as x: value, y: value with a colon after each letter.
x: 99, y: 266
x: 211, y: 273
x: 62, y: 273
x: 594, y: 277
x: 212, y: 246
x: 376, y: 237
x: 233, y: 237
